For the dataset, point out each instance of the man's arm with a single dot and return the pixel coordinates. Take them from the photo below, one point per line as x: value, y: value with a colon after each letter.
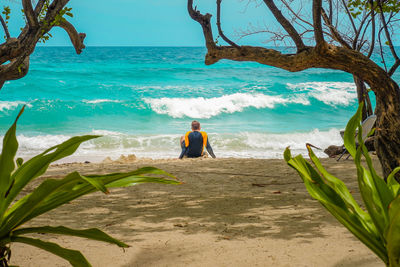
x: 183, y: 152
x: 209, y: 149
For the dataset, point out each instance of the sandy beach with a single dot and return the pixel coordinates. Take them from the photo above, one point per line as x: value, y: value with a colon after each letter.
x: 228, y: 212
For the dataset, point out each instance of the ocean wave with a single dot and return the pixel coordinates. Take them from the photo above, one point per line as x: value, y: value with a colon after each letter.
x: 330, y: 93
x: 97, y: 101
x: 11, y: 105
x: 243, y: 145
x: 201, y: 107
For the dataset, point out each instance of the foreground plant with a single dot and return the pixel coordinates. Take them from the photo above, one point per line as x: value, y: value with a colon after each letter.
x: 379, y: 226
x: 51, y: 194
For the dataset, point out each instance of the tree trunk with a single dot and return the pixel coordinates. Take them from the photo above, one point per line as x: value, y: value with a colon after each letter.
x: 387, y: 134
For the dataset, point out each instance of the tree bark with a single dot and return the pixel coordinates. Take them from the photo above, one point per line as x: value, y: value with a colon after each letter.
x: 363, y: 97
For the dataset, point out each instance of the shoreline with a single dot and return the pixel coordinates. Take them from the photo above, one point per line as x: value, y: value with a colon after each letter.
x: 228, y: 212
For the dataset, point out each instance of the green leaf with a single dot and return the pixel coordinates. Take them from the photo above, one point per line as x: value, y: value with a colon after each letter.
x: 10, y: 147
x: 340, y: 188
x: 350, y: 131
x: 19, y: 162
x: 393, y: 185
x: 393, y: 233
x: 93, y: 233
x: 74, y: 257
x: 319, y: 190
x: 133, y: 180
x: 38, y: 165
x: 287, y: 155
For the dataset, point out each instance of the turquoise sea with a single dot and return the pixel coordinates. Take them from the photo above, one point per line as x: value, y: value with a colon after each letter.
x: 142, y: 99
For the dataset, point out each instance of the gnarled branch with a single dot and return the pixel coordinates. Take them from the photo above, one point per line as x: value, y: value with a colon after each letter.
x: 29, y: 13
x: 76, y: 38
x: 334, y: 32
x: 220, y: 32
x: 18, y: 50
x: 318, y: 33
x: 4, y: 24
x: 286, y: 25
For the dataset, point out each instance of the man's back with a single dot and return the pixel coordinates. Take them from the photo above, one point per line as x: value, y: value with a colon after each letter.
x: 195, y: 143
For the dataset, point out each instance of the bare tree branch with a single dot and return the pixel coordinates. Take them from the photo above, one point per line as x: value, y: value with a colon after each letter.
x: 373, y: 29
x: 205, y: 23
x: 335, y: 34
x: 39, y: 7
x: 317, y: 9
x: 295, y: 14
x: 3, y: 23
x: 18, y: 50
x: 285, y: 24
x: 221, y: 33
x: 29, y: 13
x: 349, y: 15
x: 76, y: 38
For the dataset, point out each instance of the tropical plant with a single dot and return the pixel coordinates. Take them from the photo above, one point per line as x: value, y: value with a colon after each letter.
x: 378, y: 227
x: 15, y: 211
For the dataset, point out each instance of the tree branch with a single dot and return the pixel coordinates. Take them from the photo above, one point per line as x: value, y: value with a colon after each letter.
x: 335, y: 34
x: 373, y: 30
x: 29, y: 13
x: 221, y: 33
x: 385, y: 28
x: 76, y: 38
x: 286, y: 25
x: 358, y: 31
x: 349, y: 15
x: 317, y: 9
x: 39, y: 7
x: 3, y: 23
x: 204, y: 21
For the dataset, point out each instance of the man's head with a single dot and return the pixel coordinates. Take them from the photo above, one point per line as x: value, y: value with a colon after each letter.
x: 195, y: 125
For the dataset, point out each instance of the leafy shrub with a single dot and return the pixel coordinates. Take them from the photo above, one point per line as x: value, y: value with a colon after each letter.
x: 378, y: 227
x: 51, y: 194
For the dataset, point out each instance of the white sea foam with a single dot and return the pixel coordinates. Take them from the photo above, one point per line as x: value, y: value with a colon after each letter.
x: 11, y: 105
x: 97, y: 101
x: 201, y: 107
x: 243, y: 145
x: 331, y: 93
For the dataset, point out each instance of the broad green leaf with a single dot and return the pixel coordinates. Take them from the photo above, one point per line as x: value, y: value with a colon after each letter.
x: 374, y: 191
x: 93, y: 233
x: 132, y: 180
x: 10, y: 147
x: 19, y: 162
x: 393, y: 185
x: 350, y: 131
x: 22, y: 209
x: 74, y: 257
x: 287, y: 155
x: 36, y: 166
x: 393, y: 233
x: 335, y: 205
x: 341, y: 189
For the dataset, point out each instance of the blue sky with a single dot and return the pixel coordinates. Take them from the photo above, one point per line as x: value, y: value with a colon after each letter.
x: 147, y: 23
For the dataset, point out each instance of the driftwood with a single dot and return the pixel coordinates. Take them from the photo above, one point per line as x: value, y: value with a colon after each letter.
x: 333, y: 151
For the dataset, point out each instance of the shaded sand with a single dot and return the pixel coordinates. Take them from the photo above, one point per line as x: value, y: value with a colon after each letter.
x: 229, y: 212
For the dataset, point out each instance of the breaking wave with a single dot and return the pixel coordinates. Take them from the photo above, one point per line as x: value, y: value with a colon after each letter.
x: 242, y: 145
x: 201, y: 107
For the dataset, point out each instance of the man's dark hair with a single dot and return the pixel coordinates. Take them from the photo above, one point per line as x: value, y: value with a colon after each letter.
x: 195, y: 125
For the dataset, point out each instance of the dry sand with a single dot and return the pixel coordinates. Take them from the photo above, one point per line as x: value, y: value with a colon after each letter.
x: 229, y: 212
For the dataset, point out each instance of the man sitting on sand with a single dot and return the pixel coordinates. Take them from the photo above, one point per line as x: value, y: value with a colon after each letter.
x: 194, y: 141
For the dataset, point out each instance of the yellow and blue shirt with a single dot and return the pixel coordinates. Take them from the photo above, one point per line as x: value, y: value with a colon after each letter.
x: 194, y: 144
